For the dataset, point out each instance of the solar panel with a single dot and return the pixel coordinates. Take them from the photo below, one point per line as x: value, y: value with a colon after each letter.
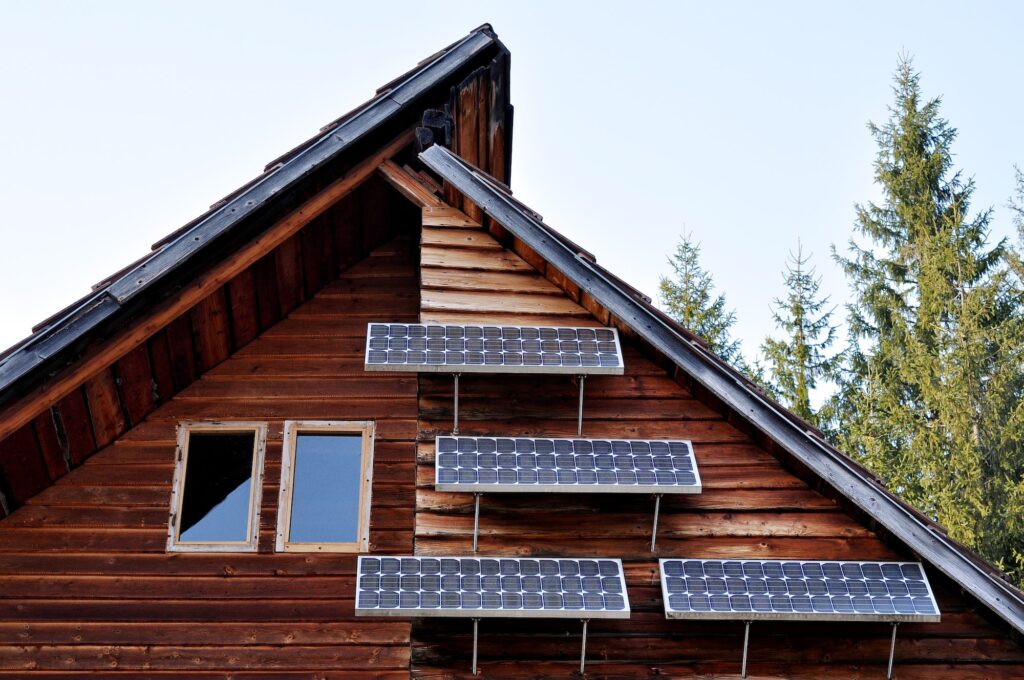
x: 505, y: 464
x: 789, y: 589
x: 491, y: 587
x: 492, y: 349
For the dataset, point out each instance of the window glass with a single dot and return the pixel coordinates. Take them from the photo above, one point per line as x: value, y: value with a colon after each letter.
x: 218, y: 486
x: 326, y: 484
x: 326, y: 471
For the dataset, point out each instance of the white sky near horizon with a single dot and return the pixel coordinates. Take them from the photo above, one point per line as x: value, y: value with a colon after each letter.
x: 743, y: 123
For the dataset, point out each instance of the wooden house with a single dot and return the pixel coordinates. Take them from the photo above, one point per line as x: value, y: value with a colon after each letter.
x: 221, y: 359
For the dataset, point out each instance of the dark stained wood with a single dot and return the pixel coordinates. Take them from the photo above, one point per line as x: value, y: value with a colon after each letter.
x: 318, y: 254
x: 22, y: 466
x: 54, y: 451
x: 241, y: 292
x: 108, y: 419
x: 135, y: 384
x: 71, y: 416
x: 86, y: 584
x: 181, y: 345
x: 163, y: 369
x: 269, y: 305
x: 212, y: 330
x: 290, y: 288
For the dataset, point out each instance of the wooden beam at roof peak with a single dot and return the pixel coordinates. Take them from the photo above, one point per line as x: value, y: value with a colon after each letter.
x: 28, y: 407
x: 408, y: 186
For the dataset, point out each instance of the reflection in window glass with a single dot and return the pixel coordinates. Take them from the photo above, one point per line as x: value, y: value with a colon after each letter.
x: 325, y: 491
x: 218, y: 484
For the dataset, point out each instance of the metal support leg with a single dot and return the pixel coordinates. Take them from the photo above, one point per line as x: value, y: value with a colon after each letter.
x: 579, y: 418
x: 746, y: 641
x: 455, y: 428
x: 654, y: 529
x: 476, y: 631
x: 583, y: 648
x: 476, y: 519
x: 892, y: 652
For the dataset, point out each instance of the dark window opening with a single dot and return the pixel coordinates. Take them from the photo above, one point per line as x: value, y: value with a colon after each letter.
x: 216, y: 501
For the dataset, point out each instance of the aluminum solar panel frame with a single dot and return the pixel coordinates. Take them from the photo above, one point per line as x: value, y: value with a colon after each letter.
x: 564, y: 465
x: 800, y: 590
x: 491, y: 587
x: 459, y: 348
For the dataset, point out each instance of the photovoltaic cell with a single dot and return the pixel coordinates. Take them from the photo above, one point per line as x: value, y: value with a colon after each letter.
x: 531, y: 465
x: 498, y: 587
x: 801, y: 590
x: 492, y: 349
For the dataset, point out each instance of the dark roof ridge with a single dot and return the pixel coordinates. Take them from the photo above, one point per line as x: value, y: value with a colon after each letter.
x: 920, y: 534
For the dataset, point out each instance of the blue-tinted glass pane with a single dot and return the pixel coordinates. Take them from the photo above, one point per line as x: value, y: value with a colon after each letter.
x: 325, y: 495
x: 218, y: 480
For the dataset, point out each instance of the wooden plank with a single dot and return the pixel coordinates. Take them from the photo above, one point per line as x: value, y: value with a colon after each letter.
x: 782, y: 500
x: 407, y: 185
x: 367, y: 632
x: 163, y: 370
x: 596, y: 408
x: 222, y: 657
x: 181, y: 346
x: 483, y: 302
x: 50, y: 445
x: 241, y: 292
x: 447, y: 216
x: 492, y: 318
x: 518, y: 282
x: 467, y: 135
x: 468, y: 259
x: 318, y: 254
x: 72, y: 416
x: 135, y: 384
x: 267, y: 302
x: 459, y: 238
x: 22, y: 465
x: 15, y: 415
x: 212, y: 330
x: 108, y: 420
x: 288, y: 261
x: 671, y: 525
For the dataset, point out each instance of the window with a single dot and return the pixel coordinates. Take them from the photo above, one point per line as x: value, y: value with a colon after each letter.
x: 217, y: 478
x: 325, y: 487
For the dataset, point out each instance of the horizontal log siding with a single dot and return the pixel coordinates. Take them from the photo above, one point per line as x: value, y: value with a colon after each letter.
x: 85, y: 582
x: 751, y: 507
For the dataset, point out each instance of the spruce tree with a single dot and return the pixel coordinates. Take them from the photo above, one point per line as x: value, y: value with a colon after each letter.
x: 688, y: 297
x: 930, y: 397
x: 799, y: 360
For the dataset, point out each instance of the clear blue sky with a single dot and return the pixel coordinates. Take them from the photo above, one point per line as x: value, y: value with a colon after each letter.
x: 741, y: 122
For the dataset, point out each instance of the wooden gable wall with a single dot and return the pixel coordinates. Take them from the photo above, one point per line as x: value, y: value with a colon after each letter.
x: 752, y: 506
x: 86, y: 585
x: 168, y: 353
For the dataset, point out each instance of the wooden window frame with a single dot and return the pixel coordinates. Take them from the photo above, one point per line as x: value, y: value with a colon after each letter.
x: 259, y: 429
x: 292, y: 428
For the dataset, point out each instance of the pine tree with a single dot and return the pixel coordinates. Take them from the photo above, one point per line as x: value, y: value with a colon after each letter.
x: 688, y: 297
x: 798, y: 361
x: 930, y: 397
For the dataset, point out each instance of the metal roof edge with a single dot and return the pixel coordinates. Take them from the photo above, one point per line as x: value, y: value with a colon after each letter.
x: 831, y: 465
